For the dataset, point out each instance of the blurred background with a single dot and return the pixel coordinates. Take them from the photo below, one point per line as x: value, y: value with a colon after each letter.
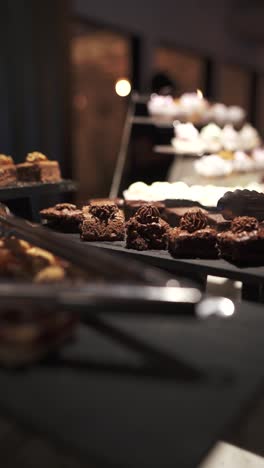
x: 62, y: 62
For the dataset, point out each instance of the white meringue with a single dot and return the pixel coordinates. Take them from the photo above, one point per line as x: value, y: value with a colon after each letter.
x: 187, y: 139
x: 249, y: 138
x: 219, y: 114
x: 235, y: 115
x: 162, y: 106
x: 258, y: 157
x: 192, y: 103
x: 230, y: 138
x: 211, y: 136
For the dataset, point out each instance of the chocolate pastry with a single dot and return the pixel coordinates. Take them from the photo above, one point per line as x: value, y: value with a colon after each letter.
x: 194, y: 238
x: 102, y: 223
x: 8, y: 172
x: 38, y: 168
x: 106, y: 201
x: 242, y: 203
x: 146, y: 230
x: 132, y: 206
x: 64, y: 217
x: 244, y: 242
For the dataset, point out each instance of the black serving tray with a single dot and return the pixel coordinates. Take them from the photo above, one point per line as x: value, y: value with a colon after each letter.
x: 164, y: 260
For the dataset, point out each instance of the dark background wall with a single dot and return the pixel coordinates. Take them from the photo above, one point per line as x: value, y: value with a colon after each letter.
x: 227, y: 30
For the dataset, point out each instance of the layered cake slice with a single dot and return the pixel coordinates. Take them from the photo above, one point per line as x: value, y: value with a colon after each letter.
x: 38, y: 168
x: 8, y: 172
x: 244, y: 242
x: 146, y: 230
x: 194, y: 238
x: 102, y: 223
x: 64, y: 217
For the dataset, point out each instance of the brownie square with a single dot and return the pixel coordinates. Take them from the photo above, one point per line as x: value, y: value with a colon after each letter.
x: 38, y: 168
x: 63, y: 217
x: 146, y: 230
x: 102, y: 223
x: 244, y: 242
x: 8, y: 172
x: 193, y: 238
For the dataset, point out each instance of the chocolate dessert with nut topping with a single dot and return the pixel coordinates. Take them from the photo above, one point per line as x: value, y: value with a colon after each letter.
x: 8, y: 172
x: 146, y: 230
x: 102, y: 223
x: 244, y: 243
x: 64, y: 217
x: 194, y: 238
x: 38, y: 168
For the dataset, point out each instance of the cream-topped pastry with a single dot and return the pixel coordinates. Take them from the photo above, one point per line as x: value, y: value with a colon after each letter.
x: 242, y: 162
x: 187, y: 139
x: 213, y: 166
x: 230, y: 138
x: 193, y: 103
x: 258, y: 157
x: 211, y: 136
x: 137, y: 191
x: 249, y: 138
x: 219, y: 114
x: 235, y: 115
x: 163, y: 106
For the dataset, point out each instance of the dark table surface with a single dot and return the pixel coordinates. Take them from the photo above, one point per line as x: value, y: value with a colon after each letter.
x: 114, y: 409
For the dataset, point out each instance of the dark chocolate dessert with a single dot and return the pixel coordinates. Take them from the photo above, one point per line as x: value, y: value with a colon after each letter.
x: 242, y: 203
x: 64, y: 217
x: 146, y: 230
x: 132, y: 206
x: 244, y: 243
x: 38, y: 168
x: 102, y: 223
x: 194, y: 238
x: 106, y: 201
x: 8, y: 172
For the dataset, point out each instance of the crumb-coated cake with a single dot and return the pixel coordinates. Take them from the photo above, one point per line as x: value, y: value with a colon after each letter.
x: 146, y: 230
x: 244, y: 242
x: 194, y: 238
x: 64, y: 217
x: 102, y: 223
x: 38, y: 168
x: 8, y: 172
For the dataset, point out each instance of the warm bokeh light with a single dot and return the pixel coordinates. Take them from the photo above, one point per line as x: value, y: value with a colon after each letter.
x: 123, y: 87
x: 199, y: 94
